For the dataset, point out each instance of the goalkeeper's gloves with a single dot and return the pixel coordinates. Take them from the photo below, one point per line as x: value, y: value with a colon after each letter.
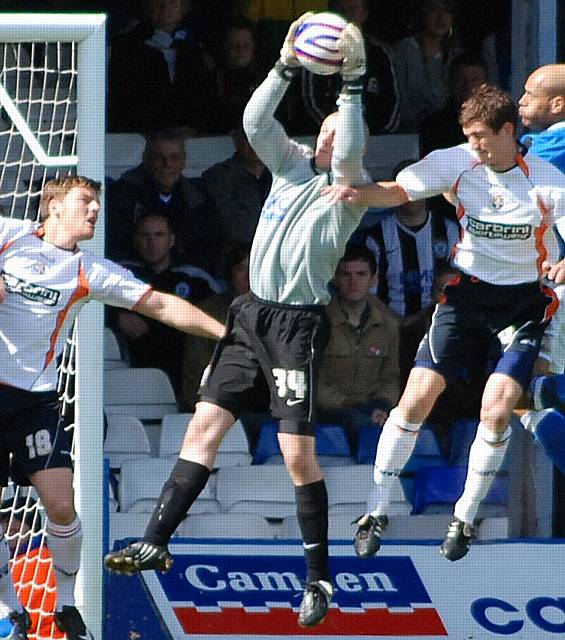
x: 288, y: 64
x: 352, y: 47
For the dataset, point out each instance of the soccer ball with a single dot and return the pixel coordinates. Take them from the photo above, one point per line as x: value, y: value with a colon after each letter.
x: 315, y: 43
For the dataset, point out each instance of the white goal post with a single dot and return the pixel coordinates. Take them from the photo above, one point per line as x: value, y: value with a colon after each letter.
x: 73, y: 142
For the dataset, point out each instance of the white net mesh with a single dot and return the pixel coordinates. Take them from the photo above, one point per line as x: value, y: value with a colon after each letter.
x: 40, y: 80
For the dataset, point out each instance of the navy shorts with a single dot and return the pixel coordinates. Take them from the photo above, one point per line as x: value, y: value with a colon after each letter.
x: 268, y: 361
x: 32, y: 430
x: 471, y: 314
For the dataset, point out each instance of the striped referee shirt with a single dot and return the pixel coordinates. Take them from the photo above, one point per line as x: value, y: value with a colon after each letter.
x: 406, y: 259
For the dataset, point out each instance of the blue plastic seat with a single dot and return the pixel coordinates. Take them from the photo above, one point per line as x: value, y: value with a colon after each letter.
x: 331, y: 441
x: 462, y: 436
x: 443, y: 485
x: 426, y: 451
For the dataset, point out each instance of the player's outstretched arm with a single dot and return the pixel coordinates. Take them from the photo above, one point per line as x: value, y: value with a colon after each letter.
x: 2, y: 289
x: 180, y: 314
x: 264, y: 132
x: 350, y: 138
x: 376, y: 194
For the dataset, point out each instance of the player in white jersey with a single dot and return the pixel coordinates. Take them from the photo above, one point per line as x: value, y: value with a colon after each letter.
x: 506, y: 203
x: 45, y: 280
x: 270, y: 357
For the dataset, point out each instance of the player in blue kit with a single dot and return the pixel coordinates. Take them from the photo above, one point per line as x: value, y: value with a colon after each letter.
x: 276, y: 333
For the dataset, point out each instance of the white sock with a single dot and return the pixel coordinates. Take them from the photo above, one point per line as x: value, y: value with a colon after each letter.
x: 65, y: 542
x: 8, y: 597
x: 396, y: 445
x: 485, y: 458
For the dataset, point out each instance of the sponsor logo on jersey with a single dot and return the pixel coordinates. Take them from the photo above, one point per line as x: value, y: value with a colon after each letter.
x: 498, y: 231
x: 259, y: 593
x: 30, y: 291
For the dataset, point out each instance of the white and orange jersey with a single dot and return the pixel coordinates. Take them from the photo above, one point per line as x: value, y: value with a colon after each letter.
x: 45, y: 288
x: 506, y: 217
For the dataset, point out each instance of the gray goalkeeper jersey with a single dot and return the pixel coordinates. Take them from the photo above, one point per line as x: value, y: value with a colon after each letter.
x: 300, y: 237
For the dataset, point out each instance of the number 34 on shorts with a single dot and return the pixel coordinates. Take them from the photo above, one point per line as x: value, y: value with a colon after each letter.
x: 291, y: 384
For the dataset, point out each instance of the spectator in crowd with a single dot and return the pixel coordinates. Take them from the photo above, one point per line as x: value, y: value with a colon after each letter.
x: 442, y: 129
x: 198, y: 352
x: 423, y: 61
x: 158, y: 71
x: 238, y: 188
x: 272, y: 18
x: 359, y: 376
x: 149, y: 342
x: 496, y: 51
x: 237, y: 76
x: 542, y: 111
x: 312, y: 97
x: 407, y: 244
x: 157, y: 185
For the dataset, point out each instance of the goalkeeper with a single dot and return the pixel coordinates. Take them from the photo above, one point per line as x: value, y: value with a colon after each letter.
x: 45, y: 279
x: 277, y: 332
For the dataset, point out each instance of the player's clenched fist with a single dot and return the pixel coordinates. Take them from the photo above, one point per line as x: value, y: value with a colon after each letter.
x: 288, y: 55
x: 554, y: 272
x: 352, y: 47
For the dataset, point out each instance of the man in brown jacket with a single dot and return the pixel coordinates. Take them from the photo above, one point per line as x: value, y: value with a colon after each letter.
x: 359, y: 377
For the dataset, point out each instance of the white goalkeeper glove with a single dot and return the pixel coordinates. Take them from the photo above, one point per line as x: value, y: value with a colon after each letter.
x: 288, y: 55
x: 352, y: 47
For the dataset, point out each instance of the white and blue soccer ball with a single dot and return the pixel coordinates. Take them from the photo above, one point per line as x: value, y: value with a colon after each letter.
x: 315, y: 43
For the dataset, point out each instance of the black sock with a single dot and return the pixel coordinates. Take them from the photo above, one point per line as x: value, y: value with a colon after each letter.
x: 312, y: 514
x: 184, y: 485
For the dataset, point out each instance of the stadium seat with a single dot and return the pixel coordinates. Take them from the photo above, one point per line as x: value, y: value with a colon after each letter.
x: 348, y: 489
x: 437, y: 488
x: 462, y: 436
x: 112, y: 354
x: 125, y: 439
x: 233, y: 451
x: 332, y: 446
x: 141, y: 482
x: 264, y: 490
x: 231, y: 525
x: 145, y: 393
x: 426, y: 452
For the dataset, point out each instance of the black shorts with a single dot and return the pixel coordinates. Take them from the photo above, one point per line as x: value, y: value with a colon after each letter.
x: 472, y: 312
x: 268, y: 361
x: 32, y: 431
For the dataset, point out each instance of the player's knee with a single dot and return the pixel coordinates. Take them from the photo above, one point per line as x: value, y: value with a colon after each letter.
x: 62, y: 512
x: 495, y: 416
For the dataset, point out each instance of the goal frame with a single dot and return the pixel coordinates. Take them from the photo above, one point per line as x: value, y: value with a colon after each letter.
x: 88, y: 31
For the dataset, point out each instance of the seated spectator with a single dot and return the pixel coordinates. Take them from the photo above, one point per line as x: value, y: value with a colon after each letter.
x: 158, y: 71
x: 236, y: 78
x: 238, y: 188
x: 442, y: 129
x: 312, y: 97
x: 198, y: 351
x: 359, y: 376
x: 157, y: 185
x: 149, y: 342
x: 423, y: 61
x: 406, y: 245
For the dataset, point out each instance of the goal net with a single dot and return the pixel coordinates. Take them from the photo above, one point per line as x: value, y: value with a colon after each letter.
x: 52, y: 124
